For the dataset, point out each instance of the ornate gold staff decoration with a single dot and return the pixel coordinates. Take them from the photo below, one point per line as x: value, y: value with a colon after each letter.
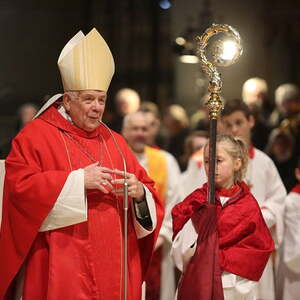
x: 224, y: 53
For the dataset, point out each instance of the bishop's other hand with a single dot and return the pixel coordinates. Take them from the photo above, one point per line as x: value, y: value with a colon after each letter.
x: 97, y: 177
x: 135, y: 187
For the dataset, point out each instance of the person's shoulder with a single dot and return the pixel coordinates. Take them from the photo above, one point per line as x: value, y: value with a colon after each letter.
x: 295, y: 191
x: 171, y: 160
x: 249, y: 205
x: 38, y: 122
x: 34, y: 134
x: 247, y: 195
x: 113, y: 134
x: 157, y: 152
x: 117, y: 139
x: 34, y: 127
x: 261, y: 156
x: 292, y: 201
x: 196, y: 197
x: 199, y: 192
x: 168, y: 155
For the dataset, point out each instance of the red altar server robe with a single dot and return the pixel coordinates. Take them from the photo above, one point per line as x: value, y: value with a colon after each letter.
x: 81, y: 261
x: 244, y: 241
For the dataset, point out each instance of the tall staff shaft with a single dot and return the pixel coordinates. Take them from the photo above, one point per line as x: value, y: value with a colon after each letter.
x: 214, y: 106
x: 212, y: 161
x: 125, y: 210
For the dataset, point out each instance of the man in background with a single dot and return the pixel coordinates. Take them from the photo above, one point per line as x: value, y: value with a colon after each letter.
x: 163, y: 169
x: 127, y: 101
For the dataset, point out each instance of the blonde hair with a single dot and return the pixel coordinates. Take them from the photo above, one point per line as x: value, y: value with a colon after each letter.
x: 237, y: 149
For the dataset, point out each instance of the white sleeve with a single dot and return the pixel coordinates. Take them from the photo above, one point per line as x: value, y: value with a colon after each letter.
x: 70, y: 207
x: 139, y: 229
x: 273, y: 204
x: 173, y: 196
x: 194, y: 177
x: 269, y: 217
x: 184, y: 245
x: 292, y: 233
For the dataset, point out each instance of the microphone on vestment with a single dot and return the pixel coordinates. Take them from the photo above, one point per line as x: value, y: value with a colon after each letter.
x: 125, y: 207
x: 118, y: 148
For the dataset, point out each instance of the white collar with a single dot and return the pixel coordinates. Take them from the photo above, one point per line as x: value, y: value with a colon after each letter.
x: 64, y: 113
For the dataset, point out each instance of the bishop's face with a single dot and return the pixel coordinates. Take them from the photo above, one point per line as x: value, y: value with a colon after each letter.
x: 86, y: 109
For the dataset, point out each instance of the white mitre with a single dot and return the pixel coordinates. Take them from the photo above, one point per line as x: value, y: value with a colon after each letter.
x: 85, y: 63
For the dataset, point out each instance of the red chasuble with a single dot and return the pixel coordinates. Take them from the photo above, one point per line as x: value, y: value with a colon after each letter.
x: 244, y: 241
x: 82, y: 261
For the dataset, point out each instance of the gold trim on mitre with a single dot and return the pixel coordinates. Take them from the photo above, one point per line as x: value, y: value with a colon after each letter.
x: 86, y: 63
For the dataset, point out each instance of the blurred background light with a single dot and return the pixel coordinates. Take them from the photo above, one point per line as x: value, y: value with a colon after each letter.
x: 189, y: 59
x: 165, y: 4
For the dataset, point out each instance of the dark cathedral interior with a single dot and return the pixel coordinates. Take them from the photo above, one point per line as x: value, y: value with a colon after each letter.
x: 216, y: 152
x: 142, y: 37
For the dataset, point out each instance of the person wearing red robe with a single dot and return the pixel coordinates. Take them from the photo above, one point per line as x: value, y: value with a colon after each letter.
x: 62, y: 234
x: 221, y: 248
x: 244, y: 241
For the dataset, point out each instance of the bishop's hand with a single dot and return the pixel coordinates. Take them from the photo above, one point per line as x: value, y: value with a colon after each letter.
x: 135, y: 187
x: 97, y: 177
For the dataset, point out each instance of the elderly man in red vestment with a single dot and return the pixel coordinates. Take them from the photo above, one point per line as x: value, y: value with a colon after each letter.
x: 62, y: 233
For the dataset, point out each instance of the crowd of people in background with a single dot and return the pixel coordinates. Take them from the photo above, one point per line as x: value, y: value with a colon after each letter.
x: 275, y: 131
x: 169, y: 144
x: 270, y: 128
